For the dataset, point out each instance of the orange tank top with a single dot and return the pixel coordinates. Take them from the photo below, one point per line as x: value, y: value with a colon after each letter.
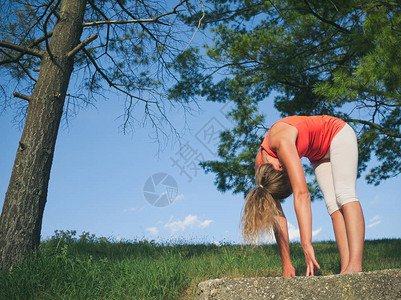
x: 315, y: 134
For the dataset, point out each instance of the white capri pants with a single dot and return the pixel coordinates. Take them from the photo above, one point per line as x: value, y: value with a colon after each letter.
x: 336, y: 172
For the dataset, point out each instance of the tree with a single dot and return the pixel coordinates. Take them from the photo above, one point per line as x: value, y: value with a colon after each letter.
x: 318, y: 57
x: 126, y: 44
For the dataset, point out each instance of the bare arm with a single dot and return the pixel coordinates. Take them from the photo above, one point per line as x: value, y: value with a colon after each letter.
x: 283, y: 143
x: 283, y: 243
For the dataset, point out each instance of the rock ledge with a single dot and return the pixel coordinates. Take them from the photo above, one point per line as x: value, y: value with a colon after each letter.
x: 385, y: 284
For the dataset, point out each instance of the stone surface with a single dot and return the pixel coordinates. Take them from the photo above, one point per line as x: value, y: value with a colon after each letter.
x: 385, y: 284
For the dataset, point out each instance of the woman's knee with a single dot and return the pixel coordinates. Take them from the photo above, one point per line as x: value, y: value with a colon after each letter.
x: 344, y: 199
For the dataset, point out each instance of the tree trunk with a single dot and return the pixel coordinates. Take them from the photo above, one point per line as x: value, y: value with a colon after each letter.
x: 21, y: 218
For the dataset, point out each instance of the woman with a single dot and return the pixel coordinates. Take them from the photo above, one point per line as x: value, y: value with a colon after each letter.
x: 330, y: 145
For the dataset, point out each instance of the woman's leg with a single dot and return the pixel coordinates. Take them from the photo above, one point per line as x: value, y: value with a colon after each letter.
x: 340, y: 233
x: 324, y: 178
x: 355, y: 225
x: 344, y: 163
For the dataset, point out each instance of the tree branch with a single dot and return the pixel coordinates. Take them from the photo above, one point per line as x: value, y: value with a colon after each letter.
x: 81, y: 45
x: 97, y: 23
x: 342, y: 29
x: 111, y: 83
x: 26, y: 71
x: 22, y: 96
x: 106, y: 18
x: 157, y: 41
x: 375, y: 126
x: 37, y: 21
x: 17, y: 61
x: 41, y: 39
x: 23, y: 50
x: 198, y: 26
x: 151, y: 20
x: 97, y: 9
x: 33, y: 44
x: 45, y: 27
x: 294, y: 84
x: 142, y: 25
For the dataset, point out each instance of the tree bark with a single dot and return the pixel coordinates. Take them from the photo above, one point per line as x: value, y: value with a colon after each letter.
x: 21, y: 218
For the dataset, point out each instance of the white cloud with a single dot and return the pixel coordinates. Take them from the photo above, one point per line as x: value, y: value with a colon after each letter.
x: 266, y: 238
x: 317, y: 231
x: 375, y: 218
x: 374, y: 224
x: 374, y: 221
x: 205, y: 223
x: 153, y: 230
x: 189, y: 221
x: 293, y: 232
x: 179, y: 197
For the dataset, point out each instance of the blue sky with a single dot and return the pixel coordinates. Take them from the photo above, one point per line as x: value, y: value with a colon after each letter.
x: 98, y: 181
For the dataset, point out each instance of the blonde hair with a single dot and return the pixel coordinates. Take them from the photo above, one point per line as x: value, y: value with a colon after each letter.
x: 261, y: 210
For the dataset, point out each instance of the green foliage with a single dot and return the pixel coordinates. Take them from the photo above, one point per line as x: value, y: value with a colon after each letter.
x: 68, y: 266
x: 187, y: 64
x: 337, y: 57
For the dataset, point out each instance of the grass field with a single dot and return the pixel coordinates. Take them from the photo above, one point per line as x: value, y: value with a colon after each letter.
x: 86, y: 267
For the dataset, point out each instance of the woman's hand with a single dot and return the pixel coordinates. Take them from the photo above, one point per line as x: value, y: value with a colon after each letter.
x: 310, y: 260
x: 288, y: 271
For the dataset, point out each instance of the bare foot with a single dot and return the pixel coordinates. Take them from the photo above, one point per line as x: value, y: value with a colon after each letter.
x: 351, y: 271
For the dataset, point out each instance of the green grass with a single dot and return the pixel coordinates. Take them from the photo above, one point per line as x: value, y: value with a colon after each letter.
x: 66, y: 267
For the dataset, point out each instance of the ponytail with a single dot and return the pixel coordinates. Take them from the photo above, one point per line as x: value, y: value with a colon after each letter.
x: 261, y: 209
